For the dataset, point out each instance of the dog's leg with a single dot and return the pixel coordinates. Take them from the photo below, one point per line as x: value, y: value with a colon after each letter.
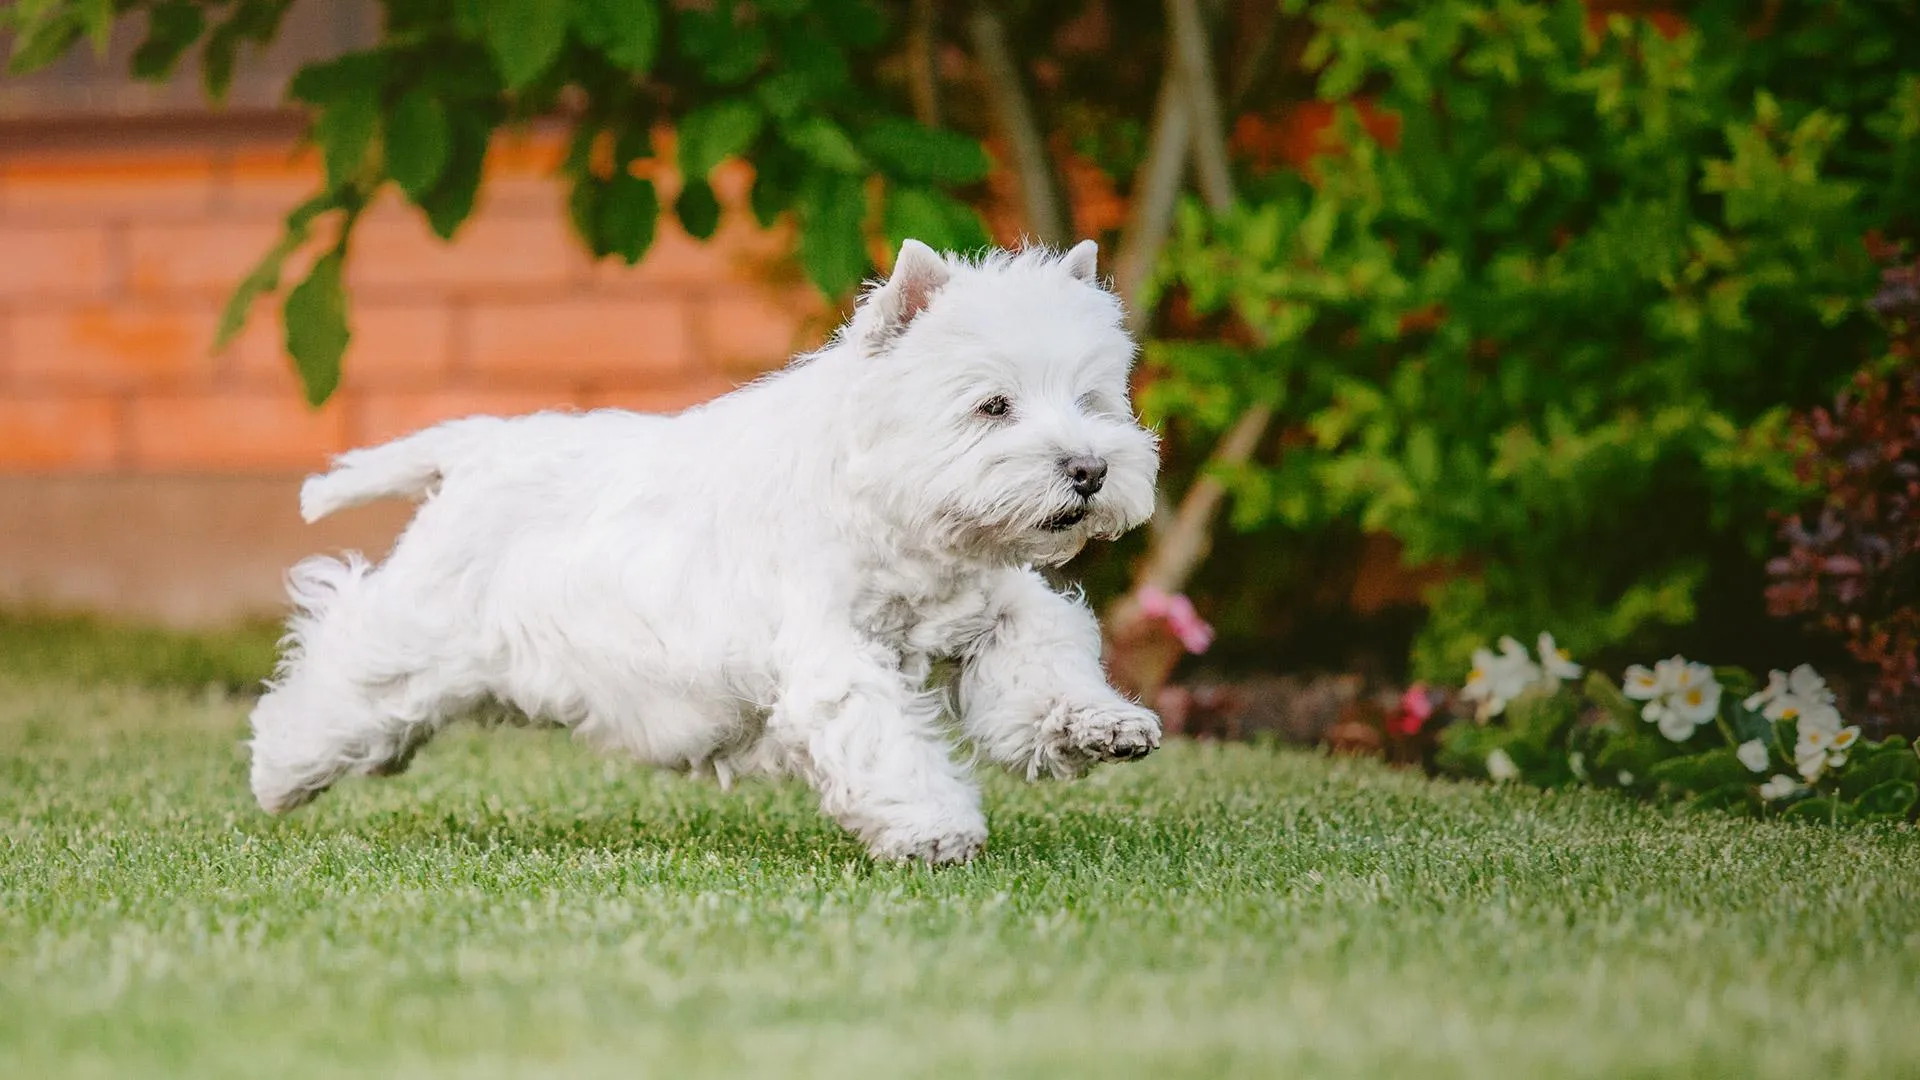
x: 355, y: 695
x: 869, y: 742
x: 1032, y: 693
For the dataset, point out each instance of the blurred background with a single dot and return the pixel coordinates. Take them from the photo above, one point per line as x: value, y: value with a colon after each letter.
x: 1461, y: 319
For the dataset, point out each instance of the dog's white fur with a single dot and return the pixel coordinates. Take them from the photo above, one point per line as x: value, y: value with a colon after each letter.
x: 760, y: 585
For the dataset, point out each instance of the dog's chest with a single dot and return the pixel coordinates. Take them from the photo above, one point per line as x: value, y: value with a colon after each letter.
x: 931, y: 614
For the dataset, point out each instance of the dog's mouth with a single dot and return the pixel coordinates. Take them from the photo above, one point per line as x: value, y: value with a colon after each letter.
x: 1065, y: 519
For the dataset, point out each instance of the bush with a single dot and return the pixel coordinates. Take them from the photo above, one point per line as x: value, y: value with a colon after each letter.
x: 1853, y: 564
x: 1548, y: 325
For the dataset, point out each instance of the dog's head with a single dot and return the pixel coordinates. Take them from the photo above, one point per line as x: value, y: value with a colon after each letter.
x: 994, y: 403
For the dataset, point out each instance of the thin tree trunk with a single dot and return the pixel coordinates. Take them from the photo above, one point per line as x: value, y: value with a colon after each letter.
x: 1040, y: 199
x: 923, y: 75
x: 1141, y: 654
x: 1156, y: 187
x: 1193, y: 59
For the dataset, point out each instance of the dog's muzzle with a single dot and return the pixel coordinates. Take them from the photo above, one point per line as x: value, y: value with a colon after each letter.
x: 1068, y: 518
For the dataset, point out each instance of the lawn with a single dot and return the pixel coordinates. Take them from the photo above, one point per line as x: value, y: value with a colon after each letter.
x: 516, y: 906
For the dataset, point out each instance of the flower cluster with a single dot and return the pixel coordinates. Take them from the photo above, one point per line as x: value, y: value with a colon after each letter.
x: 1679, y: 729
x: 1497, y: 679
x: 1822, y: 738
x: 1680, y: 695
x: 1174, y: 609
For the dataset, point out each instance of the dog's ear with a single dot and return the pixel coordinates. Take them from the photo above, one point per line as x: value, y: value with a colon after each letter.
x: 918, y: 273
x: 1083, y: 262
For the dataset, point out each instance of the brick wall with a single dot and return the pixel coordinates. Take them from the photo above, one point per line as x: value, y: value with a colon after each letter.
x: 118, y: 246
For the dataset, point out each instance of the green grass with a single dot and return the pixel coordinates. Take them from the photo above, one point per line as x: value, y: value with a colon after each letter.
x: 515, y: 906
x: 86, y: 649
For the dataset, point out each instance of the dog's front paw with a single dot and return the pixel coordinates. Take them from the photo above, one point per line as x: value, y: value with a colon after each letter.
x: 1083, y: 735
x: 935, y: 839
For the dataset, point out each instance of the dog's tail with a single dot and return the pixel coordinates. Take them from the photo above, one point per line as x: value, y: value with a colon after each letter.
x: 409, y: 467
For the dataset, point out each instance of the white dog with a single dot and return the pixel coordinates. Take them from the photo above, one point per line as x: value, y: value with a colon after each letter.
x: 760, y: 585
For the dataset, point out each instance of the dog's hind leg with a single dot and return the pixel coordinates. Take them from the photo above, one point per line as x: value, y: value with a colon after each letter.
x: 356, y: 693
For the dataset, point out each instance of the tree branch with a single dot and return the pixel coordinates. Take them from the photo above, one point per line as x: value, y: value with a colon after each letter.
x: 1013, y: 112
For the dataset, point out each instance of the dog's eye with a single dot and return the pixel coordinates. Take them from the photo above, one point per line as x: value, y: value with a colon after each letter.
x: 996, y: 405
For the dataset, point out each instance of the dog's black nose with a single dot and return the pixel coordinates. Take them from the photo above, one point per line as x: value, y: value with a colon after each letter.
x: 1086, y: 473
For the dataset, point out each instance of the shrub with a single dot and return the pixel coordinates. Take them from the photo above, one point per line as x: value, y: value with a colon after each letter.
x: 1852, y: 565
x: 1549, y: 325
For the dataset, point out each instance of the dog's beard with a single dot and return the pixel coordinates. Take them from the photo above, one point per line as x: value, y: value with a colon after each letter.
x: 1049, y: 530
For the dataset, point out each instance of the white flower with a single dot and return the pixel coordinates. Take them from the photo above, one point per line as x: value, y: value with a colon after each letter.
x: 1779, y: 787
x: 1794, y: 696
x: 1822, y: 717
x: 1556, y: 663
x: 1577, y: 763
x: 1497, y: 680
x: 1679, y: 695
x: 1673, y: 723
x: 1501, y: 767
x: 1641, y: 684
x: 1625, y: 778
x: 1819, y: 750
x: 1753, y: 754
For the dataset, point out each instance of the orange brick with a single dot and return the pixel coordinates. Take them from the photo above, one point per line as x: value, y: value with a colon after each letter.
x: 739, y: 253
x: 666, y: 398
x: 59, y: 260
x: 394, y: 346
x: 383, y: 416
x: 395, y: 249
x: 232, y: 432
x: 597, y: 340
x: 112, y: 346
x: 269, y: 179
x: 206, y: 258
x: 57, y: 433
x: 106, y: 185
x: 747, y: 331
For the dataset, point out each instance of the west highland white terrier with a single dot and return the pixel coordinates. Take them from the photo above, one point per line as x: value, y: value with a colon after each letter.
x: 760, y: 585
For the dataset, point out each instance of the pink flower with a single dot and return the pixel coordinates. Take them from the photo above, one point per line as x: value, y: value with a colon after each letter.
x: 1177, y: 612
x: 1416, y: 707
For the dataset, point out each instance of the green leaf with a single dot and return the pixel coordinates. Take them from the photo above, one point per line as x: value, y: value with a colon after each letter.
x: 264, y: 278
x: 825, y: 143
x: 1722, y: 798
x: 253, y: 20
x: 316, y: 324
x: 172, y: 28
x: 343, y: 76
x: 419, y: 142
x: 626, y: 32
x: 698, y: 209
x: 1602, y: 692
x: 923, y: 153
x: 936, y: 220
x: 1891, y: 799
x: 1820, y: 809
x: 715, y: 132
x: 39, y: 44
x: 1703, y: 772
x: 523, y: 36
x: 629, y: 208
x: 832, y: 248
x: 345, y: 132
x: 1872, y: 764
x: 451, y: 200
